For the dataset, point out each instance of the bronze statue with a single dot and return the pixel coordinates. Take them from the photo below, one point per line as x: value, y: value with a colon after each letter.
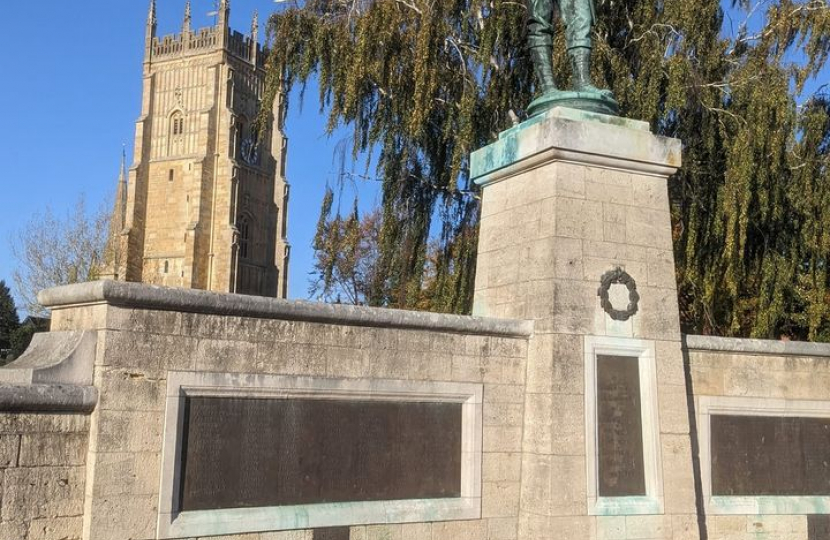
x: 578, y: 17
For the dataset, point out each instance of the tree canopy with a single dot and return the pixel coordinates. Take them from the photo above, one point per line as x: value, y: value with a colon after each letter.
x: 53, y: 250
x: 425, y: 82
x: 9, y: 321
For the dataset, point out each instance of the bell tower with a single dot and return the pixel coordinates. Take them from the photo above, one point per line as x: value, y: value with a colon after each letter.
x: 206, y: 194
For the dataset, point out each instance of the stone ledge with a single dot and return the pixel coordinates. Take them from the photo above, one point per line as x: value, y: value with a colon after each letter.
x: 563, y: 134
x: 47, y: 398
x: 140, y: 296
x: 757, y: 346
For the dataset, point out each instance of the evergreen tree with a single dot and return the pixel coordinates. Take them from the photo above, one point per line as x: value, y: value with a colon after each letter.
x: 9, y: 321
x: 427, y: 82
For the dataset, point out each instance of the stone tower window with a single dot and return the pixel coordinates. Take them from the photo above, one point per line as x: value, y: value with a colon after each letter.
x: 166, y: 266
x: 176, y: 140
x: 244, y: 231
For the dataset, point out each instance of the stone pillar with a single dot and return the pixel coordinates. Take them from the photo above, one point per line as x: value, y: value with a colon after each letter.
x: 568, y: 198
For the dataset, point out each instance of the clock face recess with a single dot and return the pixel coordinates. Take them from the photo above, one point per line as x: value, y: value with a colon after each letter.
x: 250, y: 151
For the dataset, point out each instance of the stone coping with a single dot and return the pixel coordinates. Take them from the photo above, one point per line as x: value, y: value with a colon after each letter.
x: 563, y: 134
x: 47, y: 398
x: 757, y: 346
x: 141, y: 296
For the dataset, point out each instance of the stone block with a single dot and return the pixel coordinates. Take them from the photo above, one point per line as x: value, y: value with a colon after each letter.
x: 611, y: 528
x: 576, y: 218
x: 30, y: 493
x: 347, y: 362
x: 9, y: 449
x: 130, y: 389
x: 535, y: 527
x: 290, y: 359
x: 673, y: 409
x: 502, y: 528
x: 540, y: 364
x: 669, y: 360
x: 126, y: 473
x: 685, y: 527
x: 658, y: 317
x: 63, y: 528
x: 129, y: 431
x: 661, y: 269
x: 708, y: 381
x: 415, y: 531
x: 650, y: 192
x: 53, y: 449
x: 502, y: 439
x: 288, y: 535
x: 538, y: 432
x: 227, y: 355
x: 124, y: 516
x: 43, y: 423
x: 614, y: 251
x: 13, y: 530
x: 567, y: 179
x: 203, y: 325
x: 153, y: 354
x: 383, y: 532
x: 145, y: 321
x: 648, y: 228
x: 647, y: 527
x: 619, y: 190
x: 500, y: 499
x: 503, y: 393
x: 503, y: 414
x: 566, y: 258
x: 568, y: 425
x: 678, y: 476
x: 459, y: 530
x: 577, y: 309
x: 554, y: 485
x: 79, y: 318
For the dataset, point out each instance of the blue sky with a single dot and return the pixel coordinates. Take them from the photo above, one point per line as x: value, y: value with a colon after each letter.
x: 71, y: 98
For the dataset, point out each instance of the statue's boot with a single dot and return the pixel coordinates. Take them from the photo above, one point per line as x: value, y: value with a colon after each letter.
x: 581, y: 69
x: 543, y: 67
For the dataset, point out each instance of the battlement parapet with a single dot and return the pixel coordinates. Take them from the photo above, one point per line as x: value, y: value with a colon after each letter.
x: 206, y: 39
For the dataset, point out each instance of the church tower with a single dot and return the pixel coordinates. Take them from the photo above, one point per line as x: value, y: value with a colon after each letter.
x: 207, y: 197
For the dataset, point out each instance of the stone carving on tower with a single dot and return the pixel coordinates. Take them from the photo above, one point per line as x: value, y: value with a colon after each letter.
x: 206, y: 195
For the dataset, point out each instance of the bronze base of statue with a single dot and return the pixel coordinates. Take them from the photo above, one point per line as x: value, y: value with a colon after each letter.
x: 599, y: 102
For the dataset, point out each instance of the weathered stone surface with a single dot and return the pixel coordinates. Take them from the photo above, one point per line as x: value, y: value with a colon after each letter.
x: 53, y: 449
x: 63, y: 528
x: 42, y: 493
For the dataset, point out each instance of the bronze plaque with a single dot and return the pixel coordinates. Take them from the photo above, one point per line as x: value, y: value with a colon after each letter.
x: 619, y: 427
x: 250, y: 452
x: 770, y: 455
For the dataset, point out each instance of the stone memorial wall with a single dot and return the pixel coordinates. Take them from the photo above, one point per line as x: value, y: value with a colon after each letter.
x: 570, y: 407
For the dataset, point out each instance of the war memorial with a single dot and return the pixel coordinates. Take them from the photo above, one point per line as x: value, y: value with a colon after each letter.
x: 569, y: 406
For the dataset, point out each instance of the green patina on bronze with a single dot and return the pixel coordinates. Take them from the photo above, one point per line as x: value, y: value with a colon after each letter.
x: 578, y: 17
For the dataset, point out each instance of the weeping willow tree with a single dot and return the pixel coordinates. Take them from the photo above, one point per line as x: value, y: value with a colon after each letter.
x: 425, y: 82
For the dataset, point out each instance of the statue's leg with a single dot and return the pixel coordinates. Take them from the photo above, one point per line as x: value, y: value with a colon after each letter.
x: 540, y: 42
x: 578, y: 16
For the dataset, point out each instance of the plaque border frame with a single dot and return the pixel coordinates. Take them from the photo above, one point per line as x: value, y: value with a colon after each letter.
x: 653, y: 501
x: 182, y: 384
x: 754, y: 406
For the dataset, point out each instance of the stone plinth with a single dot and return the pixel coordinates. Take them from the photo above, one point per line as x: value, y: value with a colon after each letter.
x: 568, y: 197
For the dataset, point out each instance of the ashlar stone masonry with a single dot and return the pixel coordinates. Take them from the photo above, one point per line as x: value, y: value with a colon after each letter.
x: 577, y: 410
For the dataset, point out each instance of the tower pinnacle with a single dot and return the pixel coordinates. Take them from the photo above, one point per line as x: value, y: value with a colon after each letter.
x: 151, y: 16
x: 187, y: 18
